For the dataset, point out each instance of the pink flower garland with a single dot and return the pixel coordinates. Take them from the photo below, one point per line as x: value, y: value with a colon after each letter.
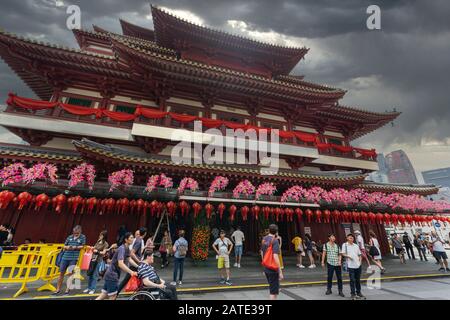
x: 267, y: 188
x: 294, y: 193
x: 219, y: 183
x: 12, y: 174
x: 187, y: 183
x: 123, y: 177
x: 244, y: 187
x: 83, y: 172
x: 40, y: 171
x: 156, y: 180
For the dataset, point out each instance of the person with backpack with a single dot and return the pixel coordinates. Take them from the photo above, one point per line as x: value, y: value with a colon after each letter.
x: 270, y: 248
x: 299, y: 250
x: 418, y: 243
x: 223, y: 246
x: 353, y: 261
x: 180, y: 248
x: 399, y: 250
x: 309, y: 251
x: 334, y: 261
x: 98, y: 252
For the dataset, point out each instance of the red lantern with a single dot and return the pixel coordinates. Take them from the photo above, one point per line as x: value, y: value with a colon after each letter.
x: 221, y: 209
x: 197, y: 207
x: 326, y: 216
x: 23, y: 199
x: 278, y: 213
x: 232, y: 211
x: 59, y: 202
x: 409, y: 219
x: 309, y: 215
x: 394, y: 219
x: 244, y: 212
x: 132, y: 206
x: 110, y: 204
x: 356, y: 217
x: 266, y: 212
x: 101, y: 208
x: 172, y: 207
x: 318, y: 215
x: 372, y: 218
x: 75, y: 203
x: 161, y: 207
x: 255, y: 212
x: 387, y: 218
x: 140, y: 205
x: 380, y: 218
x: 91, y: 203
x: 5, y: 198
x: 299, y: 214
x: 336, y: 216
x: 184, y: 207
x: 402, y: 219
x: 289, y: 214
x: 209, y: 208
x: 154, y: 207
x: 364, y: 217
x: 40, y: 200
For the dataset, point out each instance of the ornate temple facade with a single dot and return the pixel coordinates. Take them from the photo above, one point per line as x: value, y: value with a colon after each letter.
x: 116, y: 101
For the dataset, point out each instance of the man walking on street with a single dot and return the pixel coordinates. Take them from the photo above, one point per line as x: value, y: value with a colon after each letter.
x: 398, y: 246
x: 273, y: 276
x: 334, y: 259
x: 180, y: 249
x: 418, y: 243
x: 360, y: 242
x: 408, y: 246
x: 353, y: 256
x: 238, y: 239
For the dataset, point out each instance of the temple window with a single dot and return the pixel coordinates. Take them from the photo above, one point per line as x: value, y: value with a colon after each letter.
x: 337, y: 141
x: 79, y: 102
x: 125, y: 109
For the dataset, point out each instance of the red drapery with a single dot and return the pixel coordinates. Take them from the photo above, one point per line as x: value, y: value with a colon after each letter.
x: 35, y: 105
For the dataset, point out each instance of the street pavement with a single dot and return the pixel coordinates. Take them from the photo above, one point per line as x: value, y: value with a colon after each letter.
x: 201, y: 280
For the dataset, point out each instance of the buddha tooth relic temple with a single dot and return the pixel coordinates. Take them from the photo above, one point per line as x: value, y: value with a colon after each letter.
x: 99, y: 144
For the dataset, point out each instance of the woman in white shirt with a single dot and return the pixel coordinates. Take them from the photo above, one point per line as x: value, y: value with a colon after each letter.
x: 376, y: 258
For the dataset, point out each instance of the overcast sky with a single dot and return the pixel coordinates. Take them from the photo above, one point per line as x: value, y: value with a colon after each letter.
x: 405, y: 65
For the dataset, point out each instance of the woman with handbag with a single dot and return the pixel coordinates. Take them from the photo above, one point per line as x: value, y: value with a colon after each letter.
x: 270, y: 248
x: 164, y: 249
x: 374, y: 251
x: 98, y: 252
x: 299, y: 250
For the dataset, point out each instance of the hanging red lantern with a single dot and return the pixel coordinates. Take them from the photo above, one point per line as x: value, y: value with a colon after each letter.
x: 380, y: 218
x: 402, y: 219
x: 154, y: 205
x: 75, y: 203
x: 140, y: 205
x: 266, y: 212
x: 40, y: 200
x: 318, y: 215
x: 23, y: 198
x: 364, y: 217
x: 372, y: 218
x: 278, y: 213
x: 356, y: 216
x: 394, y: 219
x: 255, y: 212
x: 110, y: 205
x: 59, y: 202
x: 91, y: 203
x: 197, y: 208
x: 184, y: 208
x: 5, y: 198
x: 387, y: 218
x: 31, y: 203
x: 336, y: 216
x: 309, y: 215
x: 171, y: 208
x: 132, y: 206
x: 83, y: 205
x: 409, y: 219
x: 209, y: 208
x: 326, y: 216
x: 244, y: 213
x: 289, y: 214
x: 232, y: 211
x: 221, y: 209
x: 299, y: 214
x: 161, y: 207
x: 146, y: 207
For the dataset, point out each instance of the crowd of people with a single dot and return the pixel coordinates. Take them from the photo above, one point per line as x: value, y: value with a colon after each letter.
x: 132, y: 255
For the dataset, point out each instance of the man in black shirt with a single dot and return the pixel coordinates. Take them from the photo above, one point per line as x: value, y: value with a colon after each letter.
x: 408, y: 246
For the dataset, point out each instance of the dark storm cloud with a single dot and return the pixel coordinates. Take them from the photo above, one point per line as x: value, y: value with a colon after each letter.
x: 409, y: 57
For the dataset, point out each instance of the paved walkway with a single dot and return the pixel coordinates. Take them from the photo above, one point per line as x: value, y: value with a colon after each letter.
x: 203, y: 277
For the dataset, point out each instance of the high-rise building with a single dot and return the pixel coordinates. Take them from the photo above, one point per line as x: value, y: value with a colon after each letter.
x: 439, y: 177
x: 399, y: 168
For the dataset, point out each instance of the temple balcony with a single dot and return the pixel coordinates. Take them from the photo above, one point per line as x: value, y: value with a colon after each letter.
x: 57, y: 120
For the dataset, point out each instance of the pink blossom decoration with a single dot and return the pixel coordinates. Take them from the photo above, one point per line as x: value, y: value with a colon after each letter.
x: 219, y: 183
x: 267, y: 188
x: 293, y: 193
x: 123, y: 177
x: 165, y: 181
x: 12, y: 173
x: 161, y: 180
x: 187, y: 183
x: 40, y: 171
x: 82, y: 172
x: 244, y: 187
